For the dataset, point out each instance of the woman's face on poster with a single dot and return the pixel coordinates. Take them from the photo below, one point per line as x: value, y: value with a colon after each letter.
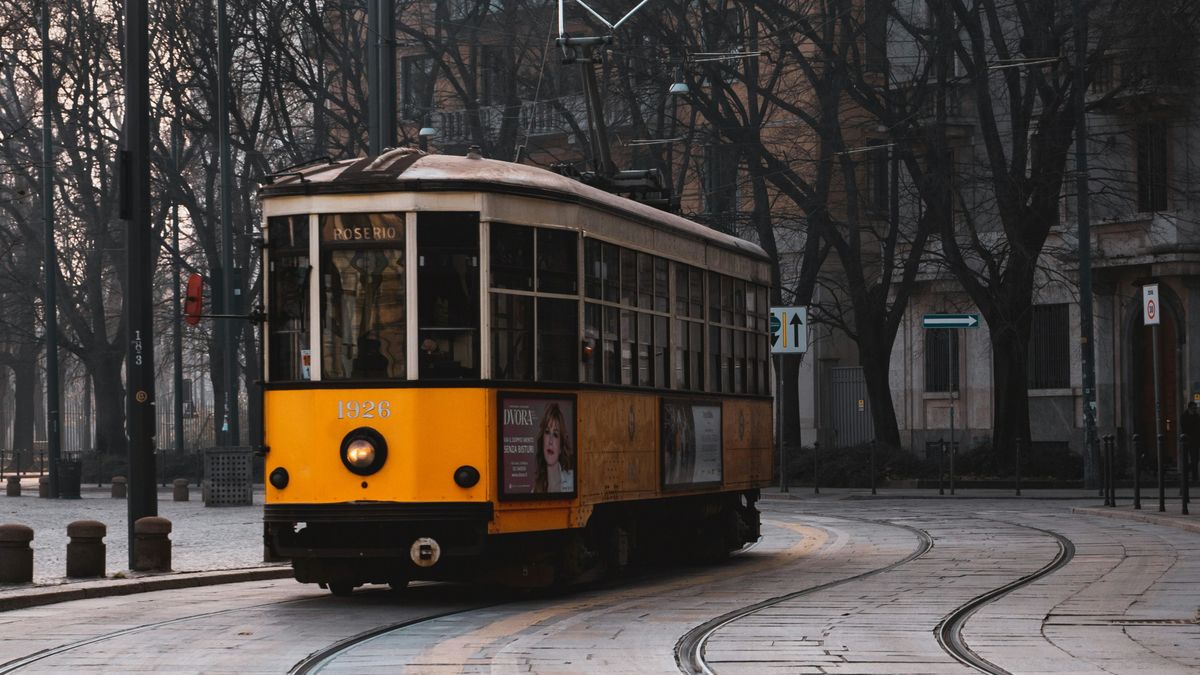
x: 552, y: 443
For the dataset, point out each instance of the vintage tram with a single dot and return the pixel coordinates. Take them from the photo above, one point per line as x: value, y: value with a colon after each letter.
x: 479, y: 369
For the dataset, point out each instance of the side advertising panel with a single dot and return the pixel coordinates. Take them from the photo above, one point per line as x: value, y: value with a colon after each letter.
x: 690, y: 443
x: 537, y: 445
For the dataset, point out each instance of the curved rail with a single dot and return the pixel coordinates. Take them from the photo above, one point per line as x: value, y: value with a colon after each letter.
x: 949, y: 631
x: 689, y: 651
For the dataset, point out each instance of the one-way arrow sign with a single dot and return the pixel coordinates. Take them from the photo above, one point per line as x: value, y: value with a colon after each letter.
x: 789, y: 330
x: 951, y: 321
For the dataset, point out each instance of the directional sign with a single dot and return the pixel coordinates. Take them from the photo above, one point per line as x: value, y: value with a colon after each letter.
x: 1150, y: 305
x: 951, y: 321
x: 789, y: 330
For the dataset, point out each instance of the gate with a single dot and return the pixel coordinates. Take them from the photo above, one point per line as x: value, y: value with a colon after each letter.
x: 850, y: 409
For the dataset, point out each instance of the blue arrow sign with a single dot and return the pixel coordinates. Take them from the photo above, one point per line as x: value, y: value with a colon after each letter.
x: 951, y: 321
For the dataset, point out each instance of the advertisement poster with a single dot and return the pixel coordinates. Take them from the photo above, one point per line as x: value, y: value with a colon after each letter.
x: 691, y: 443
x: 537, y: 446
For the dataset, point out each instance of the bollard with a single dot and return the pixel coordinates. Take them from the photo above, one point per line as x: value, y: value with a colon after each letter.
x: 1110, y: 474
x: 85, y: 552
x: 16, y: 557
x: 1182, y: 455
x: 941, y: 465
x: 1017, y: 464
x: 152, y: 546
x: 119, y: 487
x: 44, y: 487
x: 873, y: 466
x: 816, y: 451
x: 181, y: 489
x: 14, y: 486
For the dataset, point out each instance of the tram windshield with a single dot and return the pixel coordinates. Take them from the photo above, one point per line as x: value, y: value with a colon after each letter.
x: 363, y: 315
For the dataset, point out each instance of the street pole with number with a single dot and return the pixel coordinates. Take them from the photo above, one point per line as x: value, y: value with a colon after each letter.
x: 1150, y: 317
x: 789, y: 335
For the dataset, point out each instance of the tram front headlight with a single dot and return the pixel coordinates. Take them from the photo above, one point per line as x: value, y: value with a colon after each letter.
x: 364, y: 451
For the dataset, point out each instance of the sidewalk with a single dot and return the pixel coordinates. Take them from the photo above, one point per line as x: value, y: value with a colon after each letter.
x: 203, y: 540
x: 1093, y: 505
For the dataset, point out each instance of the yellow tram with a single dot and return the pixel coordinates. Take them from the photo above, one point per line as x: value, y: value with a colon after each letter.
x: 478, y: 369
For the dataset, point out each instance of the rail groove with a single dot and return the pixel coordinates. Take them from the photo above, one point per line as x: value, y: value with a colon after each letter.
x: 689, y: 650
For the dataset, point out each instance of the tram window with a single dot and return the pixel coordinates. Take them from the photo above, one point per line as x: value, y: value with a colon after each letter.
x: 696, y: 292
x: 558, y: 340
x: 593, y: 269
x: 290, y: 272
x: 739, y: 362
x: 627, y: 345
x: 593, y: 319
x: 696, y: 355
x: 714, y: 297
x: 363, y: 296
x: 679, y: 358
x: 661, y: 345
x: 557, y: 253
x: 645, y: 374
x: 727, y: 301
x: 714, y: 353
x: 611, y: 255
x: 645, y: 282
x: 512, y: 256
x: 512, y: 337
x: 739, y: 303
x: 612, y: 337
x: 448, y: 294
x: 628, y: 277
x: 661, y: 286
x: 681, y: 290
x: 727, y: 360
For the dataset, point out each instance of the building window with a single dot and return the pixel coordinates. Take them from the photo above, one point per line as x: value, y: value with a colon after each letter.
x: 720, y: 180
x: 416, y: 86
x: 941, y: 360
x: 1050, y: 347
x: 875, y: 34
x: 878, y: 192
x: 1152, y: 166
x: 491, y: 75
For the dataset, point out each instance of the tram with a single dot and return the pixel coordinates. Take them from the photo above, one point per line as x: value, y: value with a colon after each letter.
x: 482, y: 370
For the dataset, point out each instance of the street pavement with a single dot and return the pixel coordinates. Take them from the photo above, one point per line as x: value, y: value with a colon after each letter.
x: 202, y: 538
x: 839, y: 587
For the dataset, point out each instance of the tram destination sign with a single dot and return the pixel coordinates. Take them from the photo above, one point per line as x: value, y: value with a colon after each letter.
x: 950, y: 321
x: 789, y: 330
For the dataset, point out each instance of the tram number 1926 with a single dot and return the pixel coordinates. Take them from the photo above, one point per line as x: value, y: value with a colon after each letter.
x: 368, y: 410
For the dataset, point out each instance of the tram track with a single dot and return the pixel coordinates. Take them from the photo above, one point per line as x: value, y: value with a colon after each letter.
x: 949, y: 632
x: 689, y: 650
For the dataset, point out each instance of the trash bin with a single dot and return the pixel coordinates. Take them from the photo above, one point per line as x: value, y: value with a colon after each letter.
x: 228, y: 477
x: 70, y: 475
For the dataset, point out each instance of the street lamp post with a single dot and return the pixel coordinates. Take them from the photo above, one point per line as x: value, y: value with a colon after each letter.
x: 50, y: 263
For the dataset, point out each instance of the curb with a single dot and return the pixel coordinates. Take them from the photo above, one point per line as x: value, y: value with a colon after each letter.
x: 1154, y: 518
x: 37, y: 597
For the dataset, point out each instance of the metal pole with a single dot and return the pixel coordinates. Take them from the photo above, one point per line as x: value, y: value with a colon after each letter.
x: 816, y: 453
x: 1110, y: 478
x: 50, y: 261
x: 228, y: 329
x: 373, y: 140
x: 873, y: 466
x: 176, y: 300
x: 1158, y: 423
x: 1137, y: 472
x: 1181, y: 453
x: 1086, y: 329
x: 1017, y: 464
x: 941, y: 465
x: 952, y: 448
x: 779, y: 422
x: 139, y: 251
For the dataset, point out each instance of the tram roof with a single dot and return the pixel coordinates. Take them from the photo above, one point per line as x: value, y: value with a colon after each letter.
x: 405, y: 169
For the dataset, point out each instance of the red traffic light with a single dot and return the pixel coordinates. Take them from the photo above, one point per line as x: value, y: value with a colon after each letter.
x: 193, y: 305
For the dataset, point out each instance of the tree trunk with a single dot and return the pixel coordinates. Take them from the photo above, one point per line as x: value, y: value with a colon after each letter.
x: 24, y: 396
x: 110, y: 406
x: 874, y: 358
x: 1010, y: 421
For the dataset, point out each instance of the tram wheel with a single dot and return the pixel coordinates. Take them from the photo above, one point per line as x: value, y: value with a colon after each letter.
x: 341, y: 589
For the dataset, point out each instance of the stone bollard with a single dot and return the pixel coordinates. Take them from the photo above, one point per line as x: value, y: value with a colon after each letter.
x: 44, y: 487
x: 85, y: 552
x: 14, y: 486
x: 152, y: 546
x: 118, y: 487
x: 16, y: 558
x: 181, y: 489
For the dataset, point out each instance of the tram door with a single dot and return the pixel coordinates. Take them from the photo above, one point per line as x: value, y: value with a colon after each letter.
x: 1168, y: 387
x: 448, y: 295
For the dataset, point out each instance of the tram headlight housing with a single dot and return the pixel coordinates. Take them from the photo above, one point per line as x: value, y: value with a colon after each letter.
x: 364, y: 451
